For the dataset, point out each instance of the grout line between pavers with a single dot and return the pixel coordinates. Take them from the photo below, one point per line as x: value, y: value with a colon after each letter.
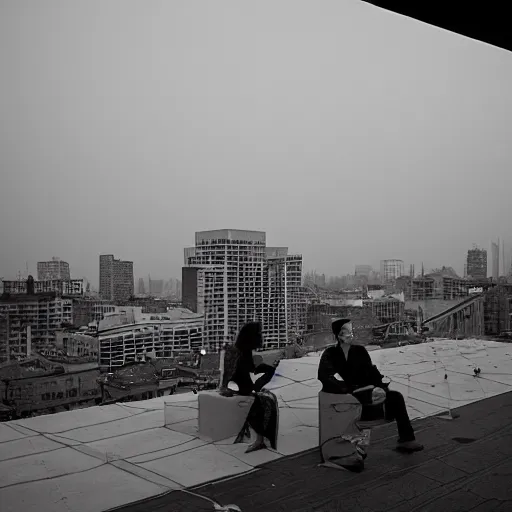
x: 103, y: 438
x: 33, y: 454
x: 84, y: 426
x: 163, y: 449
x: 169, y: 455
x: 19, y: 438
x: 53, y: 477
x: 134, y: 473
x: 13, y: 426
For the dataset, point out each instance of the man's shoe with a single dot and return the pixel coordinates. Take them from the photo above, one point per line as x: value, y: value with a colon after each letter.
x: 409, y: 446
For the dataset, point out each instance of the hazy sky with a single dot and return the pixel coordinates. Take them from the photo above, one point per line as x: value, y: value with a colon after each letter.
x: 346, y: 132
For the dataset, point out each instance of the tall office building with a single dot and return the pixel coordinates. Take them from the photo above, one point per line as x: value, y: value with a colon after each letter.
x: 142, y: 287
x: 53, y: 270
x: 172, y: 289
x: 232, y: 278
x: 363, y: 270
x: 476, y: 264
x: 116, y: 278
x: 284, y: 300
x: 495, y: 255
x: 391, y: 270
x: 156, y: 287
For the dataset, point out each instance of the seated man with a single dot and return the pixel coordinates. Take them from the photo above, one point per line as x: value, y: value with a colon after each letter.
x: 354, y: 365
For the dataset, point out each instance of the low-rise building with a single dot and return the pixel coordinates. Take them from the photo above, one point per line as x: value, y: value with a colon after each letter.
x: 61, y: 287
x: 158, y: 335
x: 36, y: 311
x: 77, y: 343
x: 34, y: 321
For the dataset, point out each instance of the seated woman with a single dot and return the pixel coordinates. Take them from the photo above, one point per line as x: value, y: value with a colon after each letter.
x: 263, y: 416
x: 354, y: 365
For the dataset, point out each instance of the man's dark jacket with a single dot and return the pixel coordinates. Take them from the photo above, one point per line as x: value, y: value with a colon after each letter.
x: 357, y: 372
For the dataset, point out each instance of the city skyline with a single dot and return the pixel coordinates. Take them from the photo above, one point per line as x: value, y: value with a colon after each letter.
x: 214, y: 127
x: 505, y: 267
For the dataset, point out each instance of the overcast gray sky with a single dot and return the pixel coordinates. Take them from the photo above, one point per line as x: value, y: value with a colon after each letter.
x: 346, y: 132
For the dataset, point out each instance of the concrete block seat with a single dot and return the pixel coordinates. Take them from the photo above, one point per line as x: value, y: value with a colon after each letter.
x: 223, y: 414
x: 343, y: 429
x: 221, y: 417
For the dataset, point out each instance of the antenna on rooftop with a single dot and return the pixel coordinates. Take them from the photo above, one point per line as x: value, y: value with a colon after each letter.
x: 448, y: 415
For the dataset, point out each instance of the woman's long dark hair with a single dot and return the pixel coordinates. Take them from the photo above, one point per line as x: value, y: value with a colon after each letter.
x: 249, y: 337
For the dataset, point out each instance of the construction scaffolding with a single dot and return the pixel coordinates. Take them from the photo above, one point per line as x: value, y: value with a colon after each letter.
x: 476, y: 264
x: 498, y: 309
x: 385, y: 309
x: 435, y: 286
x: 4, y: 337
x: 460, y: 321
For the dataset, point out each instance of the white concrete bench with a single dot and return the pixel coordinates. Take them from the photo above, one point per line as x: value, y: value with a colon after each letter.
x: 221, y: 417
x: 340, y: 425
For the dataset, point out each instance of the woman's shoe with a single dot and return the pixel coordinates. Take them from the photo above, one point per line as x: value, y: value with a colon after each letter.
x: 255, y: 447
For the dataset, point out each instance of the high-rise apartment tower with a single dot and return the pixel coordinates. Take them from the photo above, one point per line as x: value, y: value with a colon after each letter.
x: 116, y: 278
x: 54, y: 270
x: 232, y: 278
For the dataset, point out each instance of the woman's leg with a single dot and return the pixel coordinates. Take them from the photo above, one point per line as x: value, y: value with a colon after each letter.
x: 264, y: 420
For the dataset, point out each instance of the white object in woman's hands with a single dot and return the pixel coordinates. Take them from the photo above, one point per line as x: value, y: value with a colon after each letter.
x: 378, y: 394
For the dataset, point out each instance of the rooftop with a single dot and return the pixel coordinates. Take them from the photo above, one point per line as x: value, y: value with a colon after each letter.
x: 102, y: 457
x: 465, y: 466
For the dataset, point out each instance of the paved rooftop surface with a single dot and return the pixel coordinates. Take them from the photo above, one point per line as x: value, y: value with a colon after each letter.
x: 466, y: 466
x: 90, y: 460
